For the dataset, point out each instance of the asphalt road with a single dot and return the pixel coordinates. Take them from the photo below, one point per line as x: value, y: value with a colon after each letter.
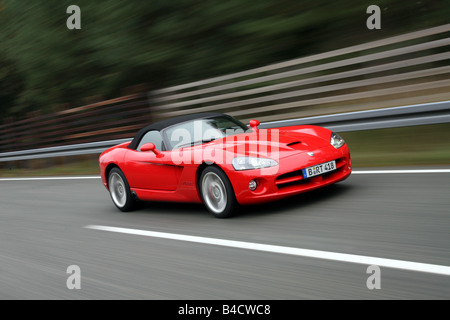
x: 395, y: 216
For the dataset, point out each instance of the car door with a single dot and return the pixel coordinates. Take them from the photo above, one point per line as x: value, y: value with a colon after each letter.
x: 147, y: 171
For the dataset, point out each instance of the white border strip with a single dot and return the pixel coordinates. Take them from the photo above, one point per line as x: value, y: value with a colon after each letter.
x: 342, y: 257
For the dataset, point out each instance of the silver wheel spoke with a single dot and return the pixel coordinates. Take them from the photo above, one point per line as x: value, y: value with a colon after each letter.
x: 117, y: 189
x: 214, y: 192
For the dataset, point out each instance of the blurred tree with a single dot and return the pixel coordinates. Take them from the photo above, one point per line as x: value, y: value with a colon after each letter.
x: 11, y: 85
x: 161, y: 43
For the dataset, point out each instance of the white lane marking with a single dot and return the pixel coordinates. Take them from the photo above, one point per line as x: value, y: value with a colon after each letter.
x: 342, y: 257
x: 401, y: 171
x: 51, y: 178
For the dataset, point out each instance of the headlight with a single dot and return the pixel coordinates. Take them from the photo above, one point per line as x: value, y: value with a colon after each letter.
x: 248, y: 163
x: 336, y: 140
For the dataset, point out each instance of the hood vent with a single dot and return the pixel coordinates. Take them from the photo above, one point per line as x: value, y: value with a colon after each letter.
x: 293, y: 143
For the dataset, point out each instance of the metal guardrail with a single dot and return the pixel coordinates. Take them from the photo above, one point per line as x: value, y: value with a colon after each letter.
x: 401, y: 70
x: 61, y: 151
x: 422, y: 114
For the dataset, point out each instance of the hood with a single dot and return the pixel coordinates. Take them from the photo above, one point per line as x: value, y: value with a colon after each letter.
x: 283, y: 143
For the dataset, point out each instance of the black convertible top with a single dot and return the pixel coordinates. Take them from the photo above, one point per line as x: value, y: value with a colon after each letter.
x: 158, y: 126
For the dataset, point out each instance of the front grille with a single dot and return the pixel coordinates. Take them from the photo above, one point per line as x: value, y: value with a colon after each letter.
x: 293, y: 183
x: 295, y: 178
x: 290, y: 175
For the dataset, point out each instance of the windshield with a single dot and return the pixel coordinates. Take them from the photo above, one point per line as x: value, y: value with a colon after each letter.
x: 200, y: 131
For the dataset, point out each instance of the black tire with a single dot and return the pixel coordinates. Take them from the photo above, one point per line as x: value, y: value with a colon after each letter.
x: 217, y: 192
x: 119, y: 189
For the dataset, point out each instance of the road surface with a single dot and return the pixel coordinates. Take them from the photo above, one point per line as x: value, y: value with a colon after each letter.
x: 46, y: 226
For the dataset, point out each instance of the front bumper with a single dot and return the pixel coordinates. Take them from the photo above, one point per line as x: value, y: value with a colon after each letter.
x: 288, y: 179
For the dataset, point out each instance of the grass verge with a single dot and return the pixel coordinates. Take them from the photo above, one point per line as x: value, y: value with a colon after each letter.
x: 406, y: 146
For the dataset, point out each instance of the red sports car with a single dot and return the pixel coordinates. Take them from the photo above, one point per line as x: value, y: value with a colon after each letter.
x: 214, y: 159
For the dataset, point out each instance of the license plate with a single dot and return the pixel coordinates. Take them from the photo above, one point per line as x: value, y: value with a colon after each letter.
x: 319, y: 169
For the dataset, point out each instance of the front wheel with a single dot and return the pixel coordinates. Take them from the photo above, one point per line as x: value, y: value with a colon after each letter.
x: 217, y: 192
x: 120, y: 190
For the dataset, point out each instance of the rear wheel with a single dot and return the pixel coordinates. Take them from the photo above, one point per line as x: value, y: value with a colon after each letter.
x: 120, y: 190
x: 217, y: 192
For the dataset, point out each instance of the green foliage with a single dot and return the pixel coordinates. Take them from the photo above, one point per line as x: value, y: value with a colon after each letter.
x: 161, y: 43
x: 11, y: 84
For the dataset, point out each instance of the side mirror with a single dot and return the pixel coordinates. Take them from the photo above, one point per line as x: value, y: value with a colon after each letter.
x: 254, y: 125
x: 150, y: 147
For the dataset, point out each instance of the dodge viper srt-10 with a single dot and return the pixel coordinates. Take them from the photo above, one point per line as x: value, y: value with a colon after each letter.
x: 214, y: 159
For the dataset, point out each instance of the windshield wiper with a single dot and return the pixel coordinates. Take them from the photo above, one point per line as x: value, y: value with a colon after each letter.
x: 193, y: 143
